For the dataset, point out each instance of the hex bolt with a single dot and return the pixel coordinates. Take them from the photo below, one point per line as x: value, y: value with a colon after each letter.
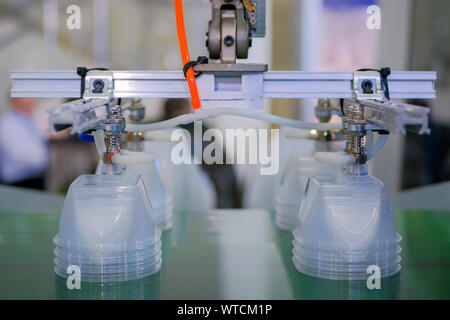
x: 98, y: 85
x: 229, y: 41
x: 367, y: 86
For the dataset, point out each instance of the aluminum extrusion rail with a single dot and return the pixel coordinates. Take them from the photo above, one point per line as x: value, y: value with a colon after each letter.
x: 172, y: 84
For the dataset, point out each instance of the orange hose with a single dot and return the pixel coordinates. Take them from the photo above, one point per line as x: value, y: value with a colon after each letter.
x: 195, y: 98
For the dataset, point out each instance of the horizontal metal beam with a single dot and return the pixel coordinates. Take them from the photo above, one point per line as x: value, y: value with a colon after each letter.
x: 170, y: 84
x: 402, y: 85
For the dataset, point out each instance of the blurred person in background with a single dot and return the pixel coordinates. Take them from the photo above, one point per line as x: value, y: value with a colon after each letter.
x: 223, y: 176
x: 23, y: 146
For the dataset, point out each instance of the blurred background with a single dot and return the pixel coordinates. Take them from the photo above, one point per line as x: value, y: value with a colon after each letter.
x: 310, y: 35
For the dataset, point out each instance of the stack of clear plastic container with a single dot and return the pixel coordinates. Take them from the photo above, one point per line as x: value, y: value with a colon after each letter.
x: 261, y: 190
x: 292, y: 186
x: 188, y: 185
x: 156, y: 187
x: 108, y: 230
x: 346, y: 226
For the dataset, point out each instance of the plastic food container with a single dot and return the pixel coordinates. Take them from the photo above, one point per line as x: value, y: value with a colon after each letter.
x: 292, y: 187
x: 156, y: 188
x: 345, y: 226
x: 108, y: 229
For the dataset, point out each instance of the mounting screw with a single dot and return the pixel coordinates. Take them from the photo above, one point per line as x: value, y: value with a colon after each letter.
x: 229, y: 41
x: 98, y: 85
x: 367, y: 86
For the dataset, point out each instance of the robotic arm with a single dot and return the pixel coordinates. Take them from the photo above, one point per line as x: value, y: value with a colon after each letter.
x: 234, y: 88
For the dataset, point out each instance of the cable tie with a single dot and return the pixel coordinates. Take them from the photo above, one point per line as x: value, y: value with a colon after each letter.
x: 190, y: 64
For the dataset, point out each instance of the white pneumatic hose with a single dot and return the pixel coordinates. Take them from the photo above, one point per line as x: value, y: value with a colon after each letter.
x: 99, y: 139
x: 128, y: 157
x: 335, y: 157
x: 212, y: 113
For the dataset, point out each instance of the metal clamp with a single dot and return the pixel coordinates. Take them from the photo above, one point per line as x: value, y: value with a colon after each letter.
x: 99, y: 85
x: 367, y: 85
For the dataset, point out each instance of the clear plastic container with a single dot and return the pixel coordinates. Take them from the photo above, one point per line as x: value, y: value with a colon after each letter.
x: 347, y: 267
x: 155, y: 182
x: 292, y: 186
x: 123, y: 251
x: 287, y: 220
x: 107, y: 213
x: 164, y: 216
x: 188, y: 185
x: 260, y: 190
x: 283, y: 220
x: 351, y: 275
x: 346, y: 261
x: 105, y: 248
x: 124, y: 266
x: 156, y: 187
x: 140, y: 255
x: 115, y: 277
x: 346, y: 224
x: 347, y: 247
x: 325, y: 254
x: 107, y: 223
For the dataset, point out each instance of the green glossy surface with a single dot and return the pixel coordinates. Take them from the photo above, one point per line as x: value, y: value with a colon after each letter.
x: 225, y: 255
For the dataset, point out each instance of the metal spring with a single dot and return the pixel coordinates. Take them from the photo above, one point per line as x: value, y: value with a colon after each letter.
x: 356, y: 144
x: 113, y: 143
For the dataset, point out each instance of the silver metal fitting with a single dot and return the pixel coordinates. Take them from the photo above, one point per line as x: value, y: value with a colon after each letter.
x: 354, y: 120
x: 113, y: 126
x: 355, y: 130
x: 135, y: 141
x: 323, y: 110
x: 137, y: 111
